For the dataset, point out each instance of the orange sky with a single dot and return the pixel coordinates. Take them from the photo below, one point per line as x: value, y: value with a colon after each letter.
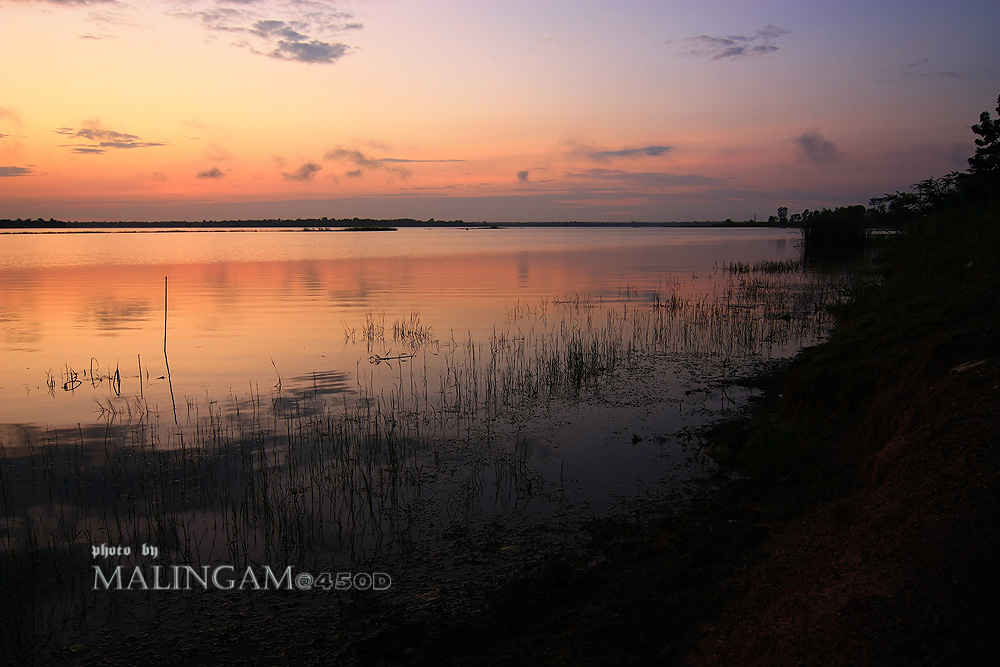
x: 558, y: 110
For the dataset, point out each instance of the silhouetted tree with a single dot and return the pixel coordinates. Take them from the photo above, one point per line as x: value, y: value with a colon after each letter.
x: 783, y: 215
x: 923, y: 197
x: 987, y: 157
x: 842, y: 231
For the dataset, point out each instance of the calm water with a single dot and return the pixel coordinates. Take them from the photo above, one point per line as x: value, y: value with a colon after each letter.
x: 166, y: 330
x: 310, y: 396
x: 319, y: 397
x: 121, y: 327
x: 245, y: 309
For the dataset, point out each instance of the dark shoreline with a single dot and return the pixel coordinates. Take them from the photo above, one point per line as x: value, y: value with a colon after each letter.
x: 324, y: 224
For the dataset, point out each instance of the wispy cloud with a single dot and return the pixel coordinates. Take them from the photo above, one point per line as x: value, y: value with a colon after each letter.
x: 81, y: 2
x: 7, y: 172
x: 102, y: 139
x: 587, y: 151
x: 297, y: 30
x: 816, y: 149
x: 303, y: 173
x: 362, y: 161
x: 11, y: 117
x: 652, y: 180
x: 919, y: 70
x: 214, y: 172
x: 736, y: 46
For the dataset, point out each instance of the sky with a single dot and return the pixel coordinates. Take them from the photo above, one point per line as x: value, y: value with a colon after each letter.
x: 483, y: 111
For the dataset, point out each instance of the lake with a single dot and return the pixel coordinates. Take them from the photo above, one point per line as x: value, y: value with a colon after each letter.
x: 313, y: 397
x: 244, y: 309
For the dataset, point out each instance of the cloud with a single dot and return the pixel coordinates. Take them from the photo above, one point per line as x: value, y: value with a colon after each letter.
x: 310, y: 52
x: 269, y: 28
x: 917, y: 69
x: 736, y: 46
x: 816, y: 149
x: 297, y: 34
x: 580, y: 149
x: 215, y: 172
x: 6, y: 172
x: 104, y: 139
x: 82, y: 2
x: 13, y: 118
x: 303, y: 173
x: 362, y: 161
x: 522, y: 176
x: 352, y: 155
x: 648, y: 179
x: 217, y: 153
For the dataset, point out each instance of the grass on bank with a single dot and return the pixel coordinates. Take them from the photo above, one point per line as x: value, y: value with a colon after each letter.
x: 936, y: 305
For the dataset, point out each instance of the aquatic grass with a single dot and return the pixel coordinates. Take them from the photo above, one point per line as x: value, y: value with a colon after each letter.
x: 427, y: 432
x: 411, y: 332
x: 766, y: 266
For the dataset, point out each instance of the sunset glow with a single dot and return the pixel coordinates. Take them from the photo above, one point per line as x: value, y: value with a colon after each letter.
x: 495, y: 111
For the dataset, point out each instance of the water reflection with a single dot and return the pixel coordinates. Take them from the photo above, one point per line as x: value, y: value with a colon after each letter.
x: 330, y: 404
x: 229, y: 317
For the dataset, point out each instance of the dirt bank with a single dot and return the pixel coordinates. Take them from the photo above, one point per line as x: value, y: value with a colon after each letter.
x: 904, y: 569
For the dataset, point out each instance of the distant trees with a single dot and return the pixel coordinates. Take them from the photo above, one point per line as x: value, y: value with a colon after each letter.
x: 781, y: 219
x: 845, y: 229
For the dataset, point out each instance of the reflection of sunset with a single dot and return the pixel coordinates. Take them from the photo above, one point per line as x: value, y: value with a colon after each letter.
x: 286, y: 312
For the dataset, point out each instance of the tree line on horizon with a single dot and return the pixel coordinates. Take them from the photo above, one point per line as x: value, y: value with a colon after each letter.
x: 849, y: 227
x: 52, y: 223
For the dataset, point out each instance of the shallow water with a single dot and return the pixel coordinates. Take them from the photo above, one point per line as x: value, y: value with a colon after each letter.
x: 318, y: 397
x: 247, y: 309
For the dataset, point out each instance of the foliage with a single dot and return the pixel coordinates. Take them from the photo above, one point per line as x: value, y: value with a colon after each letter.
x: 979, y: 186
x: 925, y: 196
x: 843, y: 229
x: 987, y: 157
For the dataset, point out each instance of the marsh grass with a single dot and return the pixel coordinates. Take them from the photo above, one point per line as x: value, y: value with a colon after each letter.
x: 426, y: 446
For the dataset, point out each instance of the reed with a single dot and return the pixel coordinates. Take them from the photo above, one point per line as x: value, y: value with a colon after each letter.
x: 433, y: 430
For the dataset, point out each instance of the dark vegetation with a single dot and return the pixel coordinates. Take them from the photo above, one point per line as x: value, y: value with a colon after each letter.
x: 859, y: 522
x: 848, y: 229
